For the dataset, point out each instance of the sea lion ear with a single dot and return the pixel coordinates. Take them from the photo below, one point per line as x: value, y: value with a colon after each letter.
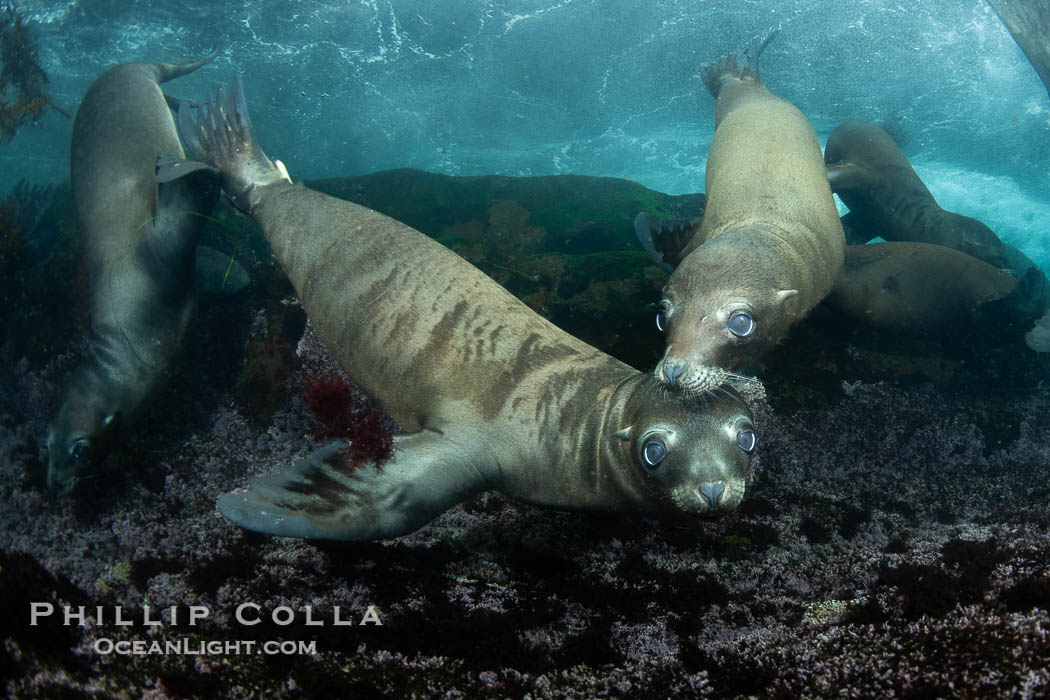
x: 624, y: 433
x: 788, y: 300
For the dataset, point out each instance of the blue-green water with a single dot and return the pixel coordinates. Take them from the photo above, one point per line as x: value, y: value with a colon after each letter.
x: 596, y: 87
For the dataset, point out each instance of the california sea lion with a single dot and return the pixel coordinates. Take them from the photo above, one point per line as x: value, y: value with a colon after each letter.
x: 139, y: 239
x: 886, y: 197
x: 770, y: 244
x: 493, y: 395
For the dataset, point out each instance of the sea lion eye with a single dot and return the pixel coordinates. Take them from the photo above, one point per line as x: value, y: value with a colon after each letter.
x: 745, y: 440
x: 653, y: 453
x: 741, y: 324
x: 81, y: 452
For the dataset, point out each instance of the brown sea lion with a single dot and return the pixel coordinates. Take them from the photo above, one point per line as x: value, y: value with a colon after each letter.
x: 493, y: 396
x: 886, y: 197
x: 770, y: 244
x: 139, y: 243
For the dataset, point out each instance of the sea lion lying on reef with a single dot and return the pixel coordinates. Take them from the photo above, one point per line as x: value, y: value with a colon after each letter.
x: 770, y: 244
x: 139, y: 243
x: 494, y: 397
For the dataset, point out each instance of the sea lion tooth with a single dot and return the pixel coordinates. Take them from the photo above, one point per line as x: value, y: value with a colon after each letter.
x: 139, y: 238
x: 533, y: 412
x: 770, y: 244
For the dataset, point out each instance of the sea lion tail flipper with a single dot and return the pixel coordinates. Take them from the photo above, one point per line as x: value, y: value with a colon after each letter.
x: 218, y: 274
x: 222, y: 136
x: 324, y: 498
x: 665, y: 239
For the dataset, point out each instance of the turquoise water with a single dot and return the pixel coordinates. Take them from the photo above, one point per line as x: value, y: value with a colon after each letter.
x: 586, y: 86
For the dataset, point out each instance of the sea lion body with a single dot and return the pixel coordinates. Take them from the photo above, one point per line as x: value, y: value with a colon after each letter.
x: 139, y: 239
x: 493, y: 395
x: 921, y: 290
x: 887, y: 198
x: 770, y: 244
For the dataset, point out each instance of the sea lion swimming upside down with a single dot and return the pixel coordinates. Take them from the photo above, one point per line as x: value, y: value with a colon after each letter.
x: 139, y: 244
x: 770, y: 245
x: 493, y: 396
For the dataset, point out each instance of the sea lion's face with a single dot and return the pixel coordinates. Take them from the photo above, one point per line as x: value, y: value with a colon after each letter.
x: 694, y: 453
x: 718, y: 313
x: 77, y: 440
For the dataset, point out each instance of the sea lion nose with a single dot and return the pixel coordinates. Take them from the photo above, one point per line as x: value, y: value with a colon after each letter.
x: 712, y: 491
x: 673, y: 370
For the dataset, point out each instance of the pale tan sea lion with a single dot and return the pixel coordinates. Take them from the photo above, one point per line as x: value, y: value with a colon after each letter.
x: 770, y: 245
x: 887, y: 198
x: 494, y: 396
x: 139, y: 242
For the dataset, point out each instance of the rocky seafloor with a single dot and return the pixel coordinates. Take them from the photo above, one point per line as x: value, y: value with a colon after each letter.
x: 895, y: 541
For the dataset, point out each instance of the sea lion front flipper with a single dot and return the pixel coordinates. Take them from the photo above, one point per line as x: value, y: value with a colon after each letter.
x: 846, y: 176
x: 170, y: 168
x: 665, y: 239
x: 322, y: 498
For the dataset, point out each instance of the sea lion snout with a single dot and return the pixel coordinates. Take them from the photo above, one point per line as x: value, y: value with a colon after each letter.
x: 712, y: 491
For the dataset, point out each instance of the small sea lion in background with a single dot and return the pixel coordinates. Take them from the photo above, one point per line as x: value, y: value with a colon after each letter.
x: 139, y: 243
x: 916, y: 289
x: 770, y: 244
x: 494, y: 396
x: 887, y: 198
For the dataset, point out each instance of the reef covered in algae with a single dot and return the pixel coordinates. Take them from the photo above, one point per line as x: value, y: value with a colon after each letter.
x: 895, y: 539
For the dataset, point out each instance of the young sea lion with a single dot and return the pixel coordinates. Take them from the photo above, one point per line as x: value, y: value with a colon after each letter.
x: 493, y: 396
x: 139, y: 243
x: 770, y: 244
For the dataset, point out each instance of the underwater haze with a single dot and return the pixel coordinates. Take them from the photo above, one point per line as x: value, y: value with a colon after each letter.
x: 594, y: 87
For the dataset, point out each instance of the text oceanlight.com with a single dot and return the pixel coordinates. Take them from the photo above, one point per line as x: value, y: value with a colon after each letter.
x: 198, y: 647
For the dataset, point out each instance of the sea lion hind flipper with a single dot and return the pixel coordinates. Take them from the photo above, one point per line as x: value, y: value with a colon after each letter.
x: 323, y: 498
x: 222, y: 136
x: 665, y: 239
x: 714, y: 74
